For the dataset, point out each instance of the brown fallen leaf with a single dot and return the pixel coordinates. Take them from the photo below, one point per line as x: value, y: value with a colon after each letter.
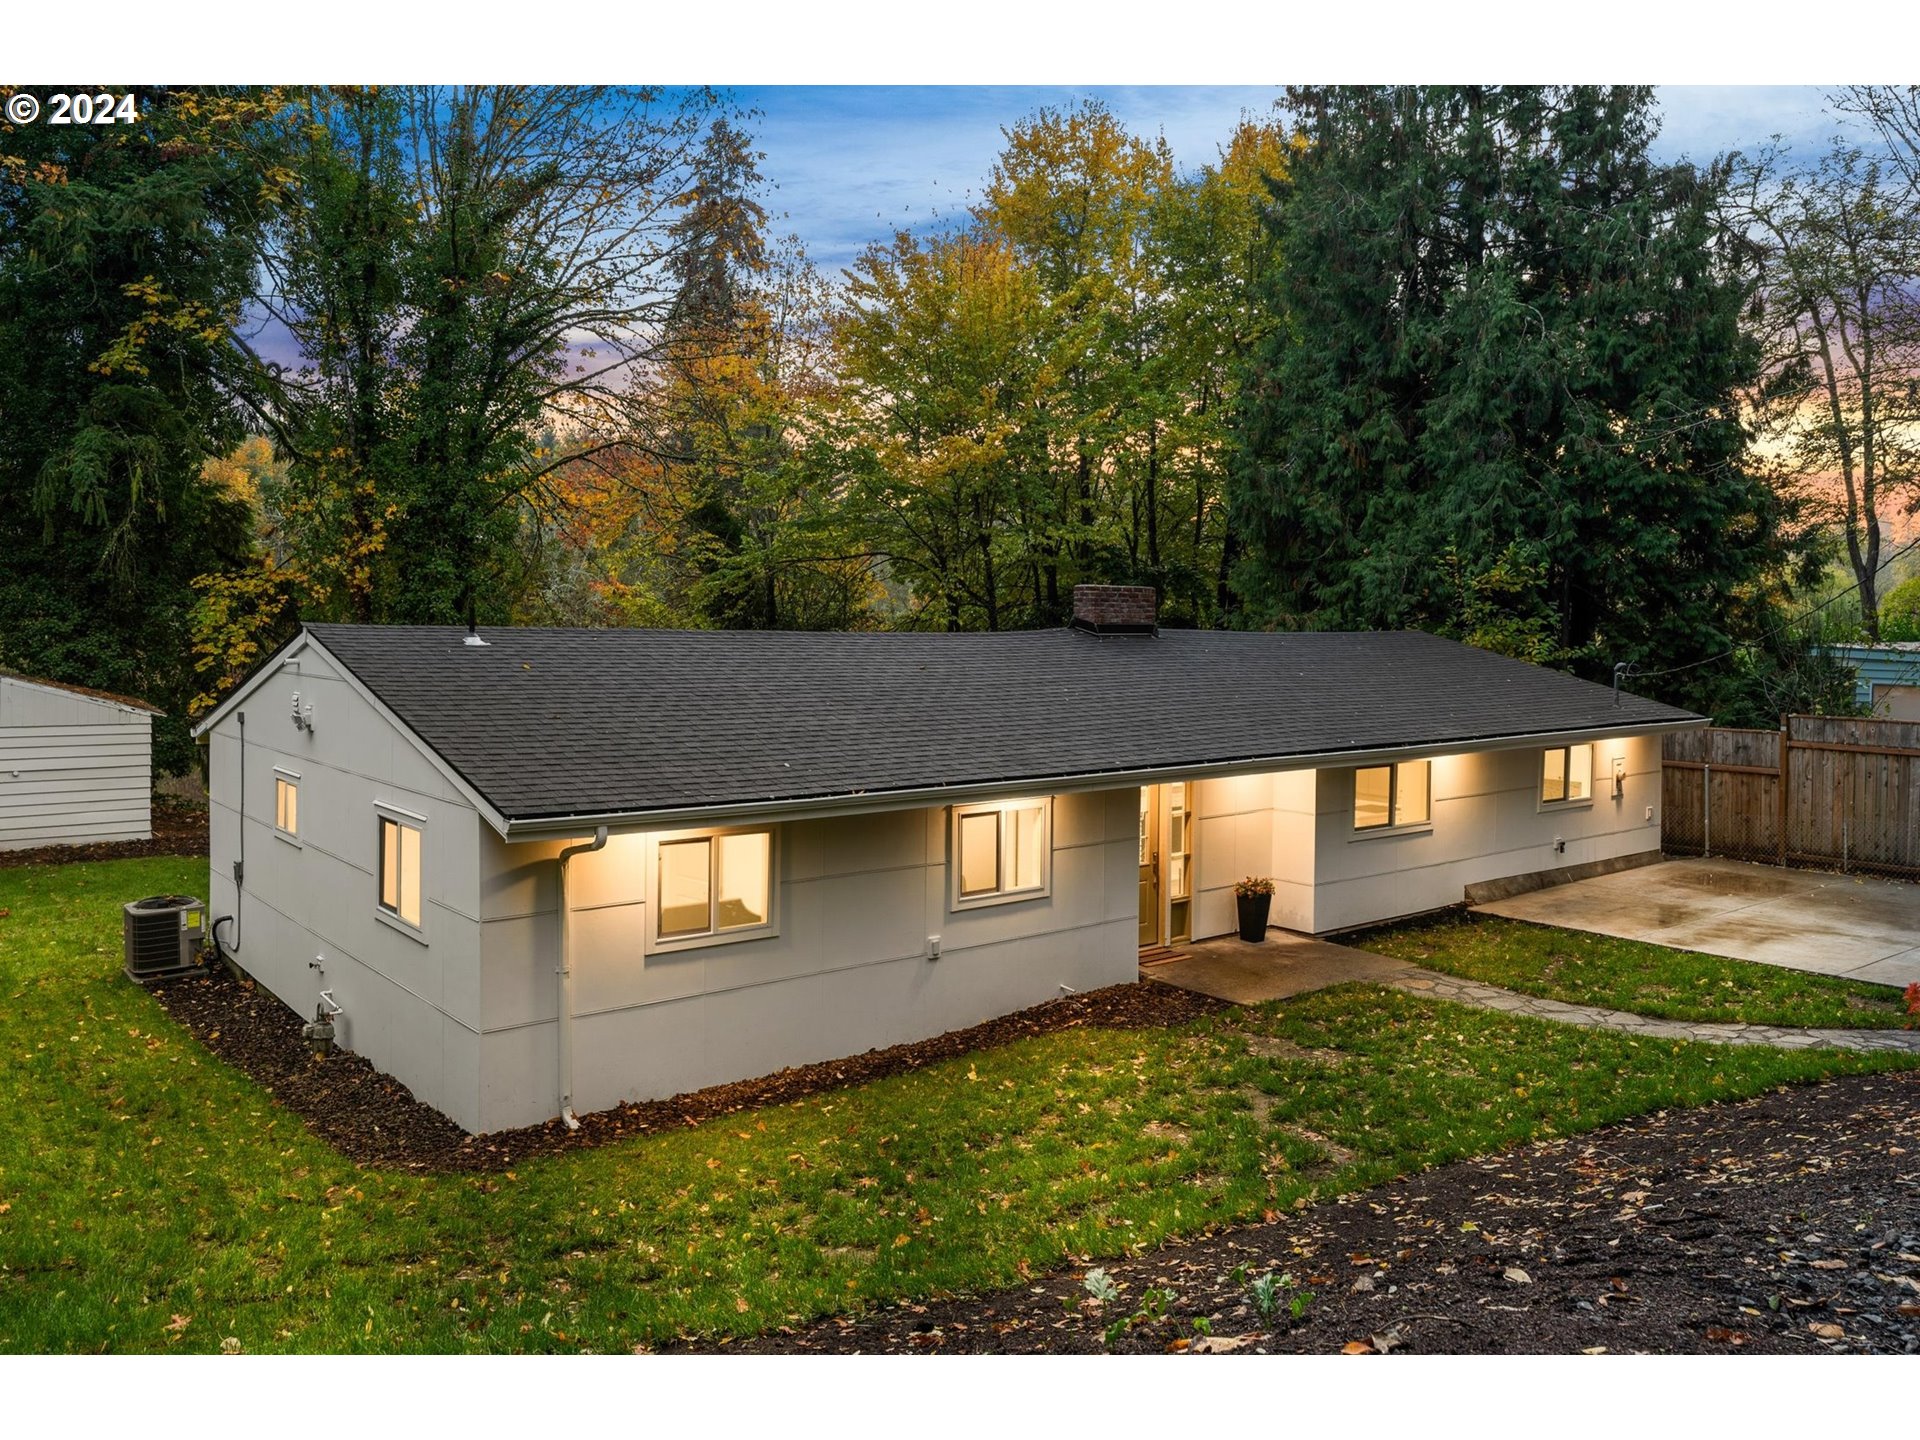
x: 1174, y: 1347
x: 179, y: 1323
x: 1827, y: 1332
x: 1828, y: 1264
x: 1906, y: 1309
x: 1222, y: 1344
x: 1356, y: 1347
x: 1725, y: 1336
x: 1515, y: 1274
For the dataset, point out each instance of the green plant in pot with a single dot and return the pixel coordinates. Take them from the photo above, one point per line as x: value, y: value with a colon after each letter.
x: 1254, y: 898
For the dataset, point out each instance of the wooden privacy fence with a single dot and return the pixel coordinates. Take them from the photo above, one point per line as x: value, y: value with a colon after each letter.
x: 1818, y: 791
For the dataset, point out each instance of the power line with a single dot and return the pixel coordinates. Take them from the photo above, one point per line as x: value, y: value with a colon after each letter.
x: 1626, y: 670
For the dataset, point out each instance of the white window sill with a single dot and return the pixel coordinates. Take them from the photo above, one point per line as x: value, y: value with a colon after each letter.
x: 999, y: 897
x: 285, y: 839
x: 415, y: 933
x: 1383, y: 832
x: 1554, y: 807
x: 705, y: 942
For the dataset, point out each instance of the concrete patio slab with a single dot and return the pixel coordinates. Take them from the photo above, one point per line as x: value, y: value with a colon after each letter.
x: 1283, y: 965
x: 1846, y: 925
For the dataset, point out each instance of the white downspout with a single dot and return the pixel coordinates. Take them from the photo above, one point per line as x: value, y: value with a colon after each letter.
x: 565, y: 971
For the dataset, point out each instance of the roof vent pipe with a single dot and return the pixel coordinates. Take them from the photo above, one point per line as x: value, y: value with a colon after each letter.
x: 1116, y: 609
x: 473, y: 629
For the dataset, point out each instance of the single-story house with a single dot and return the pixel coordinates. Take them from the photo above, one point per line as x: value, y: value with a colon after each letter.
x: 549, y: 870
x: 1886, y: 677
x: 76, y: 765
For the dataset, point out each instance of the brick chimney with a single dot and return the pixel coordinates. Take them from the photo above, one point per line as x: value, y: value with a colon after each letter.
x: 1116, y: 609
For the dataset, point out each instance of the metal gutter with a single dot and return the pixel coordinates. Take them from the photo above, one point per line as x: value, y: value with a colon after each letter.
x: 554, y: 827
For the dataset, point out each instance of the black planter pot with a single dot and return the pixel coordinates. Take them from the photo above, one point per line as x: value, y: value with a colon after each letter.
x: 1253, y: 915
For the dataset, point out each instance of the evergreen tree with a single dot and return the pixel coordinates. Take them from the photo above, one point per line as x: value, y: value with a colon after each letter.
x: 1506, y: 364
x: 126, y: 258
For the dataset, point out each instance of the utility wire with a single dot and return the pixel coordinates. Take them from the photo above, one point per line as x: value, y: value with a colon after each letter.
x: 1636, y: 674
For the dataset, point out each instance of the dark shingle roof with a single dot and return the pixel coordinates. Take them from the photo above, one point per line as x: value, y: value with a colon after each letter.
x: 582, y: 722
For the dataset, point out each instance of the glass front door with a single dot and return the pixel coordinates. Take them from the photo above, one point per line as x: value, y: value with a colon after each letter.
x: 1179, y: 863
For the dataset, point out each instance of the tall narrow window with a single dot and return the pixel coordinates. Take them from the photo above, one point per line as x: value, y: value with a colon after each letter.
x: 979, y: 853
x: 1388, y: 796
x: 1566, y: 775
x: 286, y: 804
x: 1000, y: 852
x: 400, y: 870
x: 715, y: 884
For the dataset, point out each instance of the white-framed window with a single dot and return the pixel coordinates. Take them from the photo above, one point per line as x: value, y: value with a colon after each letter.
x: 286, y: 804
x: 1001, y: 852
x: 1566, y: 775
x: 398, y: 867
x: 1393, y: 797
x: 715, y: 886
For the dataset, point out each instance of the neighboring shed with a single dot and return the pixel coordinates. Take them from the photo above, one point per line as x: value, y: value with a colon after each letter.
x: 1886, y: 677
x: 76, y: 765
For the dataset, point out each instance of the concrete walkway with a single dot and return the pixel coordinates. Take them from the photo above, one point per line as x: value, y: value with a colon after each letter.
x: 1281, y: 966
x: 1492, y: 997
x: 1845, y: 925
x: 1287, y: 965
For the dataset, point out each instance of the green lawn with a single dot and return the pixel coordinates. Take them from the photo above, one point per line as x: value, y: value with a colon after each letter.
x: 1586, y: 969
x: 153, y: 1199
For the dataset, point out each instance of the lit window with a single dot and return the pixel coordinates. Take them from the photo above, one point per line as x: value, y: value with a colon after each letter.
x: 1387, y: 796
x: 286, y: 803
x: 400, y: 870
x: 1000, y: 851
x: 1566, y: 775
x: 714, y: 884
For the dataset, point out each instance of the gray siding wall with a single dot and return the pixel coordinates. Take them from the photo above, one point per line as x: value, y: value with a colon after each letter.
x: 73, y: 770
x: 849, y: 971
x: 412, y: 1005
x: 1488, y: 824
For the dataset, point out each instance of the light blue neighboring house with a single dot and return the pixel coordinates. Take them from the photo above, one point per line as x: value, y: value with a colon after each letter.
x: 1886, y: 677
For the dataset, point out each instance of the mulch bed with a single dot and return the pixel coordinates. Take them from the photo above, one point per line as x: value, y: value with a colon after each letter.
x: 1788, y: 1224
x: 177, y: 830
x: 373, y: 1119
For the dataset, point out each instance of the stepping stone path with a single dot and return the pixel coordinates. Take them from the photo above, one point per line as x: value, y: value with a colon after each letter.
x: 1420, y: 981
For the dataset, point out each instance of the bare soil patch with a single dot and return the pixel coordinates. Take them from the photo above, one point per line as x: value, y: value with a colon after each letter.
x: 1787, y: 1224
x: 373, y: 1119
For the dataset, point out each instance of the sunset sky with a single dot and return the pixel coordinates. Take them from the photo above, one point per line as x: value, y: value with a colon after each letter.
x: 854, y: 163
